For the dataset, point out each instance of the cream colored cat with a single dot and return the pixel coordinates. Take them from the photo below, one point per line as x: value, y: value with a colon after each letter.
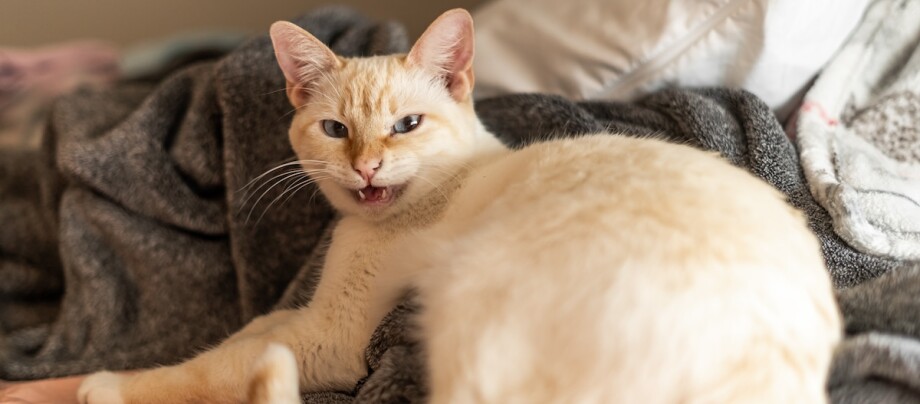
x: 601, y: 269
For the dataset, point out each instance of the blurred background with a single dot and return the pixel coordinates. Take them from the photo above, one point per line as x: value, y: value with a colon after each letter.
x: 129, y: 22
x: 51, y: 47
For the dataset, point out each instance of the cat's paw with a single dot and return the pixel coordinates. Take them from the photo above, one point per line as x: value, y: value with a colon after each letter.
x: 101, y: 388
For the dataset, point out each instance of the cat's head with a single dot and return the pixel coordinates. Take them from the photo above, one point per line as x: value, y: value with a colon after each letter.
x: 377, y: 133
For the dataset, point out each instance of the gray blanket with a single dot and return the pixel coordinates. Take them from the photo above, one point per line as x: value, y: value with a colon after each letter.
x: 126, y: 241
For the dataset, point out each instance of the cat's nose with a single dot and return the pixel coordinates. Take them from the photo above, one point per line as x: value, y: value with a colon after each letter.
x: 367, y: 167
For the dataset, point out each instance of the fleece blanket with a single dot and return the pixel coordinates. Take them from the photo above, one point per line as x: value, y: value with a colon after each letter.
x: 859, y: 133
x: 128, y: 240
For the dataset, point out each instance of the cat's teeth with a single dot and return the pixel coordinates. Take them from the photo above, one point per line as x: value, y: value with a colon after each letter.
x: 361, y: 195
x: 383, y: 195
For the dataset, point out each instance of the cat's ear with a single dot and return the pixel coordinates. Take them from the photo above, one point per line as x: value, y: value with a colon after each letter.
x: 302, y: 58
x: 446, y: 49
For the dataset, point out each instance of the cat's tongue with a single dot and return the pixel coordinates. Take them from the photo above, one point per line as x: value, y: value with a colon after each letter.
x: 372, y: 194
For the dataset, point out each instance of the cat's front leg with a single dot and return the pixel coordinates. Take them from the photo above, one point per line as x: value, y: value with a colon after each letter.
x: 114, y: 388
x: 121, y: 388
x: 173, y: 384
x: 101, y: 387
x: 329, y: 356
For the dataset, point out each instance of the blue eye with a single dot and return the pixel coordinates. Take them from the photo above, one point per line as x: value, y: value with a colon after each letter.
x: 334, y: 129
x: 407, y: 124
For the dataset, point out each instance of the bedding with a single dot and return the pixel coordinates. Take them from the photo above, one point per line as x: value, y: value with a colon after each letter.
x: 134, y: 218
x: 858, y: 133
x: 879, y: 361
x: 621, y: 49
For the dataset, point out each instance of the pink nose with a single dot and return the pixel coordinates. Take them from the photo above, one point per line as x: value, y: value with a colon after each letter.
x: 367, y: 168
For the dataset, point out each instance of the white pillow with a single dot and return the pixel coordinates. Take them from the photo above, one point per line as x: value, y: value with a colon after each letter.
x: 619, y: 49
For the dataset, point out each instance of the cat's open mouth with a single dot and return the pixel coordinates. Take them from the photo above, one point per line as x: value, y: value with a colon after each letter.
x: 377, y: 196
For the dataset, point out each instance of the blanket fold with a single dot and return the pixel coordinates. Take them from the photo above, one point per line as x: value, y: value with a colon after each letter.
x: 858, y: 133
x: 146, y: 219
x: 133, y: 208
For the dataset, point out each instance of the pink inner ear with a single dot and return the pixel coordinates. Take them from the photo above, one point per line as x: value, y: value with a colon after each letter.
x: 446, y: 49
x: 284, y: 39
x: 301, y: 57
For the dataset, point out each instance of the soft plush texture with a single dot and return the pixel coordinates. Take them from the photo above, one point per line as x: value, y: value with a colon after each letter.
x: 134, y: 209
x: 131, y: 214
x: 622, y: 49
x: 880, y: 362
x: 858, y: 133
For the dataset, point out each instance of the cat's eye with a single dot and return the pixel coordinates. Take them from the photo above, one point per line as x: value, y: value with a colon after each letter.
x: 407, y: 124
x: 334, y: 129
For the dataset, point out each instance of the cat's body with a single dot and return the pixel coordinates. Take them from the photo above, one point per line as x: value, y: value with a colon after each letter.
x: 666, y: 277
x: 596, y: 269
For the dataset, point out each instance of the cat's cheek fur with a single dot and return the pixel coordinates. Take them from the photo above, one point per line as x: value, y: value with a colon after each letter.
x: 343, y: 200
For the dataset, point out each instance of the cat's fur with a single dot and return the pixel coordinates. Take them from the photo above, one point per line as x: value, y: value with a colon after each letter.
x: 597, y: 269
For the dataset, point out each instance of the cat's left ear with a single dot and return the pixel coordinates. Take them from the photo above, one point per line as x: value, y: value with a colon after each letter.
x: 303, y: 59
x: 446, y: 49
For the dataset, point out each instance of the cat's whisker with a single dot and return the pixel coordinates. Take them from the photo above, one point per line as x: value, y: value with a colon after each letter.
x: 313, y: 161
x: 332, y: 82
x: 300, y: 186
x: 313, y: 196
x: 270, y: 182
x: 436, y: 186
x: 327, y: 97
x: 321, y: 173
x: 318, y: 170
x: 287, y: 164
x: 291, y: 112
x: 256, y: 203
x: 269, y: 171
x: 285, y: 89
x: 331, y: 170
x: 274, y: 91
x: 291, y: 189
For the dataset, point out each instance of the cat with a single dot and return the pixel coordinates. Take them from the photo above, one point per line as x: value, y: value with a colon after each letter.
x: 595, y: 269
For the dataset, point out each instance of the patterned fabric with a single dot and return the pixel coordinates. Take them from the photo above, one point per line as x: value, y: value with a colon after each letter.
x: 859, y: 133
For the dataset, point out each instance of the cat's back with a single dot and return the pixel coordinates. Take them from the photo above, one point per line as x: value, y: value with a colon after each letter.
x: 636, y: 198
x: 615, y: 269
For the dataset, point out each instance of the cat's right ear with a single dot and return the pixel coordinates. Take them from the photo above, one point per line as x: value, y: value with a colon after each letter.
x: 303, y: 59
